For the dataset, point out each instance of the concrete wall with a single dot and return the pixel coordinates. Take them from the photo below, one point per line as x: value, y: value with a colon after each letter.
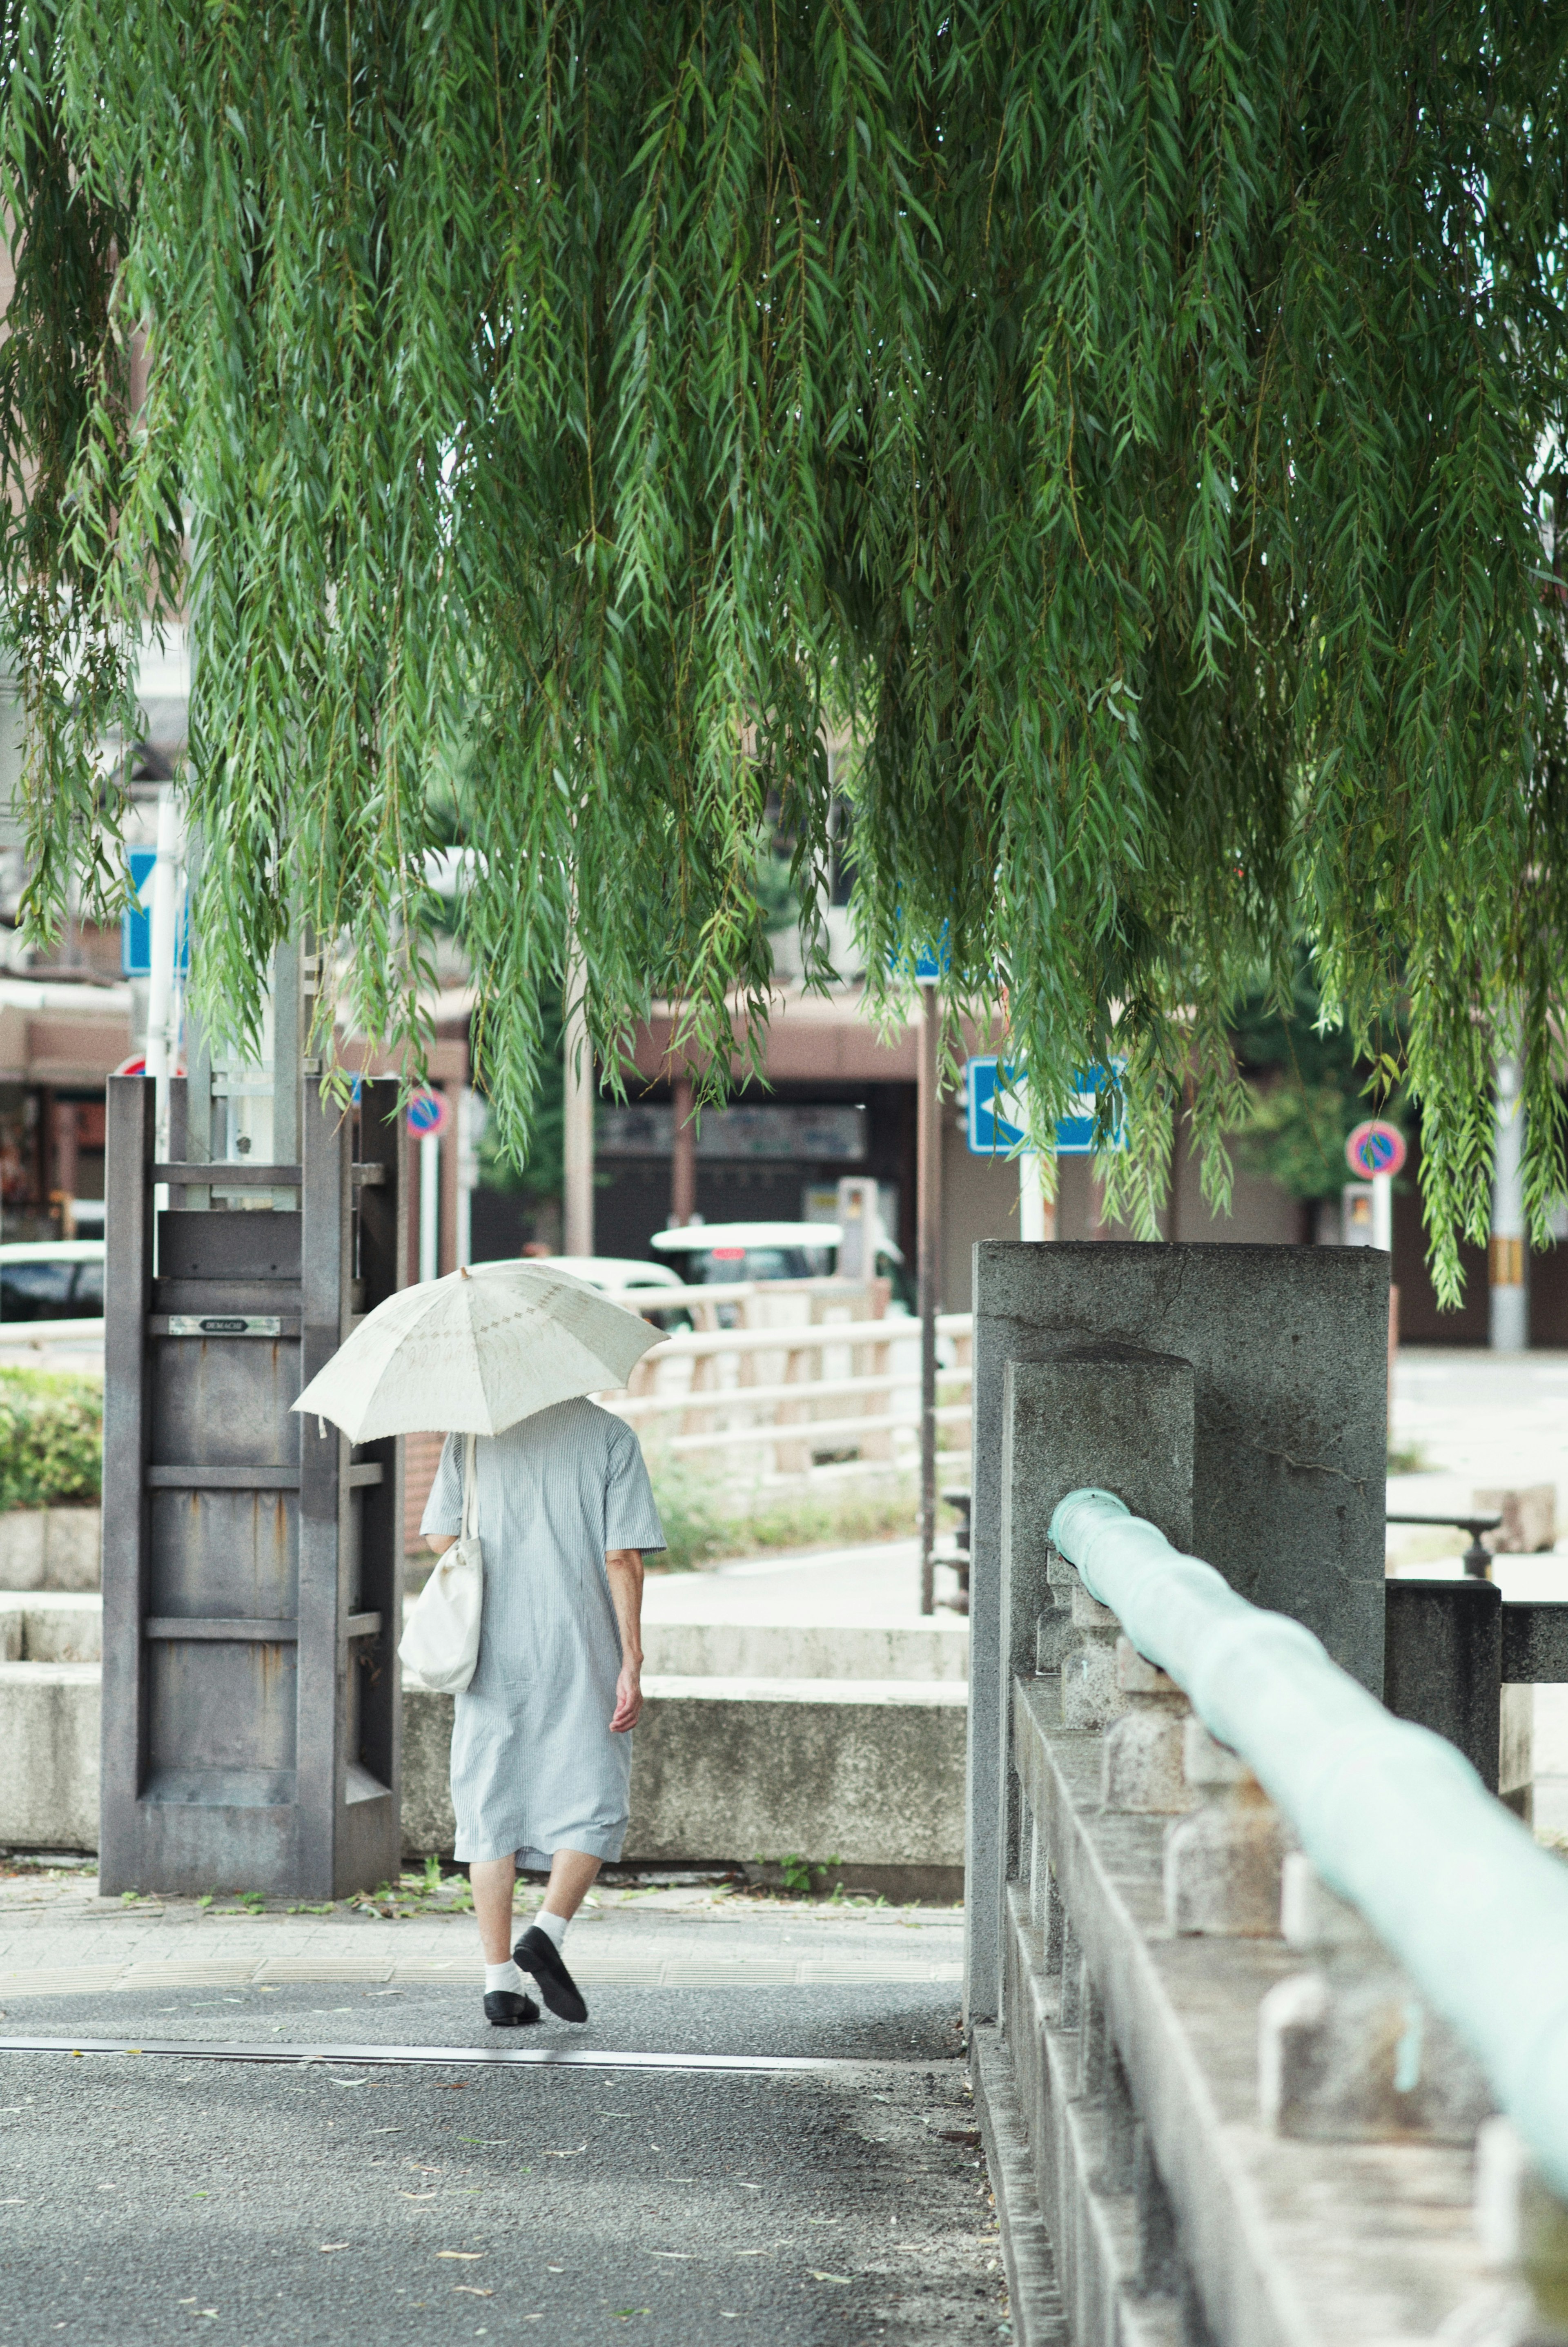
x: 868, y: 1772
x: 51, y: 1548
x: 50, y: 1736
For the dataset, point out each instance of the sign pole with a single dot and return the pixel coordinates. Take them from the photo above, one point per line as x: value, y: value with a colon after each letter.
x: 162, y: 993
x: 1376, y: 1151
x: 928, y: 1217
x: 1383, y: 1211
x: 1035, y: 1220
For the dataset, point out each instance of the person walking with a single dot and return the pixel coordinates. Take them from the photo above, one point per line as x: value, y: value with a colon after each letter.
x: 541, y: 1737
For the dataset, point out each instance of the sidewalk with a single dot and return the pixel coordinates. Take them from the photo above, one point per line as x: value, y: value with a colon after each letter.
x: 58, y: 1938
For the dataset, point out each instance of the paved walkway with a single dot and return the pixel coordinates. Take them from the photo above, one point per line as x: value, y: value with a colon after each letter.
x: 58, y: 1938
x: 144, y: 2197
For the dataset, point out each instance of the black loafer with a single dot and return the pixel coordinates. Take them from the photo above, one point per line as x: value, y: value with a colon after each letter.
x: 505, y: 2009
x: 537, y: 1952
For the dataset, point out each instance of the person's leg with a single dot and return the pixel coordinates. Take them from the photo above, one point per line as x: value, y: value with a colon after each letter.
x: 572, y: 1874
x: 538, y: 1950
x: 491, y: 1881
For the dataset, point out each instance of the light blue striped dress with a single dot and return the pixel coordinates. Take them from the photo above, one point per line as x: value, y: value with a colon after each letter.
x: 534, y: 1767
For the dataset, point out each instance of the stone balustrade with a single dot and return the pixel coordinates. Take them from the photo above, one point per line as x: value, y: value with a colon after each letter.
x: 1217, y: 2109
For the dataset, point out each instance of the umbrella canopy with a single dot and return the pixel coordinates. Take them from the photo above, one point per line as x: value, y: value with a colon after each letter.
x: 475, y: 1352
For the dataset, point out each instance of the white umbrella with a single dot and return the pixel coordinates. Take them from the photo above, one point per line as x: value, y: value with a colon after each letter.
x: 475, y: 1352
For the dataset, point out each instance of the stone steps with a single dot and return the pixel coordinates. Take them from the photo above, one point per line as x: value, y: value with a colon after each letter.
x: 64, y: 1626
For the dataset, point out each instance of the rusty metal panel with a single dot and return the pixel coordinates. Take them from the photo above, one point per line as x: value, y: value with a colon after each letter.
x: 220, y: 1709
x: 223, y: 1553
x: 224, y: 1400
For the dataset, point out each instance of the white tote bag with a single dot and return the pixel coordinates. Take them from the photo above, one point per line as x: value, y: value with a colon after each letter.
x: 441, y: 1644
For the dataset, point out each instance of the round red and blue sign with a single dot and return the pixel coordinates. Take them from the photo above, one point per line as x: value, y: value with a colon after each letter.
x: 1375, y: 1147
x: 426, y: 1116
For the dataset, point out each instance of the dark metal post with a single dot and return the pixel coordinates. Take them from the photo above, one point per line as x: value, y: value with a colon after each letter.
x: 928, y: 1215
x: 251, y: 1570
x: 127, y: 1289
x: 324, y: 1270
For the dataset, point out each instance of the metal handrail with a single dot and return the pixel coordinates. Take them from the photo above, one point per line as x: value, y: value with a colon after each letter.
x: 1393, y: 1818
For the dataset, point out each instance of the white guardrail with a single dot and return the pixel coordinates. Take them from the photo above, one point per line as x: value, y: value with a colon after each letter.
x: 813, y: 1366
x: 1390, y: 1816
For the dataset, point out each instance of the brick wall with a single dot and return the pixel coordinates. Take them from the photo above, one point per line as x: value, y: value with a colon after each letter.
x: 421, y: 1456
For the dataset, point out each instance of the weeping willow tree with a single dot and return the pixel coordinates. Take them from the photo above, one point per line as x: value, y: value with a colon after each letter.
x: 1142, y: 425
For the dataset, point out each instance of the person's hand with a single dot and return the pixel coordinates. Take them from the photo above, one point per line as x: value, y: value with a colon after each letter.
x: 628, y: 1699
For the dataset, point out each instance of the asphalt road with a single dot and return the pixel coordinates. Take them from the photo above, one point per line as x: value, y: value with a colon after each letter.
x: 144, y: 2199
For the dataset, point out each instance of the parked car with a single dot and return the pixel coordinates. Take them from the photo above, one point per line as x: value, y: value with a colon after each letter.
x: 52, y: 1279
x: 716, y: 1252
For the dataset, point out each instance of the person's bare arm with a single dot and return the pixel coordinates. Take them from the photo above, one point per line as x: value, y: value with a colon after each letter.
x: 624, y: 1566
x: 439, y: 1542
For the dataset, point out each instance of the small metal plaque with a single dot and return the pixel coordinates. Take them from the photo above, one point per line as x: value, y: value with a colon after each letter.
x: 225, y: 1324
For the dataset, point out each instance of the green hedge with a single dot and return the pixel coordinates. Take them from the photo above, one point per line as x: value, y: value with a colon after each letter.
x: 51, y: 1440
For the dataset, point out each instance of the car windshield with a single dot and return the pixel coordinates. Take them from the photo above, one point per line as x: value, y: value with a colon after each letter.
x: 722, y: 1265
x: 38, y: 1291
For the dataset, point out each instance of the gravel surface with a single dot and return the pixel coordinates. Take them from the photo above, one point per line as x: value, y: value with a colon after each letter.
x: 142, y: 2199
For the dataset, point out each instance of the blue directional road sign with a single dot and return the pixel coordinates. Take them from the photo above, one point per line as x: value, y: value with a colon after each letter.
x: 136, y: 926
x: 993, y: 1091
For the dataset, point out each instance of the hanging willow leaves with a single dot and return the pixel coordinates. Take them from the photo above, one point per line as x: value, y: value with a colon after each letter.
x: 1143, y: 423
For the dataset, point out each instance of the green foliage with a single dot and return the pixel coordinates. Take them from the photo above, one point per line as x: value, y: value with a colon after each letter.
x: 51, y: 1440
x: 771, y: 880
x: 802, y: 1876
x: 1294, y: 1130
x: 1294, y: 1134
x: 539, y: 1172
x: 1144, y: 423
x: 705, y: 1518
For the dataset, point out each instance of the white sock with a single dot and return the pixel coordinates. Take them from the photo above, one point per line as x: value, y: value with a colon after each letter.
x: 552, y: 1926
x: 505, y: 1975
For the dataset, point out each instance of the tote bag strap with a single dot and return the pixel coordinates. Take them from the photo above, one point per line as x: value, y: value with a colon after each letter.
x: 470, y: 1496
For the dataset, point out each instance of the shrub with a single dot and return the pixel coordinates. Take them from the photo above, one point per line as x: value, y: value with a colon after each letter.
x: 706, y: 1519
x: 51, y: 1440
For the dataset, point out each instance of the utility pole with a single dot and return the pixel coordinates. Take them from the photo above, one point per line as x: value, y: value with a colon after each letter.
x: 163, y: 992
x: 683, y: 1157
x: 928, y: 1231
x: 1509, y: 1298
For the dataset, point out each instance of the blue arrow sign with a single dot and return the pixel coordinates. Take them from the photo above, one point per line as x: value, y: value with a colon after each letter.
x: 136, y: 926
x: 996, y: 1110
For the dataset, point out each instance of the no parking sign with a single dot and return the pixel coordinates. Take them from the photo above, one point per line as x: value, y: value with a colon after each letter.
x: 1375, y: 1147
x: 426, y: 1116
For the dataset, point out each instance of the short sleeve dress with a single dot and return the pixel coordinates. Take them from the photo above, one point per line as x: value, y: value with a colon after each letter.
x: 534, y: 1767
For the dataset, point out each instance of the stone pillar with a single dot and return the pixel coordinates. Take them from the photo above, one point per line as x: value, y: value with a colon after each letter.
x: 1081, y: 1416
x: 1346, y: 2052
x: 1223, y: 1863
x: 1505, y: 1263
x: 1284, y: 1352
